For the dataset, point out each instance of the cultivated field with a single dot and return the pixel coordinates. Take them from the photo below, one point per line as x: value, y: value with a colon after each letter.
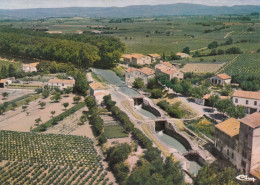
x: 245, y: 64
x: 13, y: 94
x: 30, y: 158
x: 202, y: 67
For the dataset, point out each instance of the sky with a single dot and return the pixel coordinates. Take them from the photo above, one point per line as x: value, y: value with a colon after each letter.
x: 23, y: 4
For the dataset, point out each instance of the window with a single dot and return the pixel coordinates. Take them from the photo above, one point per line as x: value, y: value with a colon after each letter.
x: 232, y: 155
x: 236, y: 100
x: 255, y: 103
x: 247, y: 102
x: 63, y: 84
x: 227, y: 151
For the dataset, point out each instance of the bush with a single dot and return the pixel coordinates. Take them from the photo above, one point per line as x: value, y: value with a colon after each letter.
x: 233, y: 50
x: 157, y: 93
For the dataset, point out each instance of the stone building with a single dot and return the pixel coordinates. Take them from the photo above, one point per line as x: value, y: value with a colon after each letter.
x: 166, y: 68
x: 144, y: 73
x: 136, y: 59
x: 238, y: 141
x: 249, y: 99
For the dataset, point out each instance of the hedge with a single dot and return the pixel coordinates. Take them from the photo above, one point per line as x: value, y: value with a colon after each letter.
x: 43, y: 127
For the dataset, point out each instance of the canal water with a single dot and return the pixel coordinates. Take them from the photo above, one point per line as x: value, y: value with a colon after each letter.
x: 111, y: 77
x: 174, y: 143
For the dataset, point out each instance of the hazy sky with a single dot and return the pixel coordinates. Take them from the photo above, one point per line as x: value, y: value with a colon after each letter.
x: 17, y: 4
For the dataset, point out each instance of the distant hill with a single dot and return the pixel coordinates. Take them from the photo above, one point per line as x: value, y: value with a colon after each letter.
x: 129, y: 11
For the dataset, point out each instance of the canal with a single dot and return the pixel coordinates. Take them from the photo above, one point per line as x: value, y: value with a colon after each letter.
x: 112, y: 78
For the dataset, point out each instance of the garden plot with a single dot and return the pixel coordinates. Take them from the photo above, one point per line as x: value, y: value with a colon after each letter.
x: 113, y: 128
x: 20, y: 120
x: 49, y: 159
x: 202, y: 67
x: 13, y: 94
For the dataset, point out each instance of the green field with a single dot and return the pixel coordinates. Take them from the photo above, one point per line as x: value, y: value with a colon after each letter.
x: 49, y: 159
x: 115, y: 132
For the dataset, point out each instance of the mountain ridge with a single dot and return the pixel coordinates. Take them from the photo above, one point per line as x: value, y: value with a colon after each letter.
x: 128, y: 11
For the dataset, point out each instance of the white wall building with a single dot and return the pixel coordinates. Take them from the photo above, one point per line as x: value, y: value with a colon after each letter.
x: 221, y: 79
x: 30, y: 67
x: 61, y: 84
x: 249, y: 99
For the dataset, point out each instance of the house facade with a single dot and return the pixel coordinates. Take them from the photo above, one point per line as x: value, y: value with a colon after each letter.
x: 4, y: 82
x: 238, y: 141
x: 221, y: 79
x: 136, y: 59
x: 61, y: 84
x: 30, y: 67
x: 248, y: 99
x: 98, y: 91
x: 144, y: 73
x: 140, y: 59
x: 166, y: 68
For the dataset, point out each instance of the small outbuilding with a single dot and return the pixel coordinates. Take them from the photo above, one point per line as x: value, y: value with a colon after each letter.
x: 221, y: 79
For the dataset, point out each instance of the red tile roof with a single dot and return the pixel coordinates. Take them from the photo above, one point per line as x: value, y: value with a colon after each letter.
x: 224, y: 76
x: 252, y: 120
x: 230, y: 127
x: 147, y: 71
x: 247, y: 94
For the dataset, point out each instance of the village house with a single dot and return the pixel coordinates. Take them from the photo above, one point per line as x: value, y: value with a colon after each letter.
x: 166, y: 68
x: 249, y: 99
x: 238, y: 141
x: 221, y: 79
x: 127, y: 58
x: 154, y: 57
x: 140, y: 59
x: 98, y: 91
x: 144, y: 73
x: 61, y: 83
x: 136, y: 59
x: 183, y: 55
x: 30, y: 67
x: 4, y: 82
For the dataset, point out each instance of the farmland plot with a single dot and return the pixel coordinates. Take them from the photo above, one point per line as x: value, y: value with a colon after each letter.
x: 31, y: 158
x: 202, y: 67
x: 245, y: 64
